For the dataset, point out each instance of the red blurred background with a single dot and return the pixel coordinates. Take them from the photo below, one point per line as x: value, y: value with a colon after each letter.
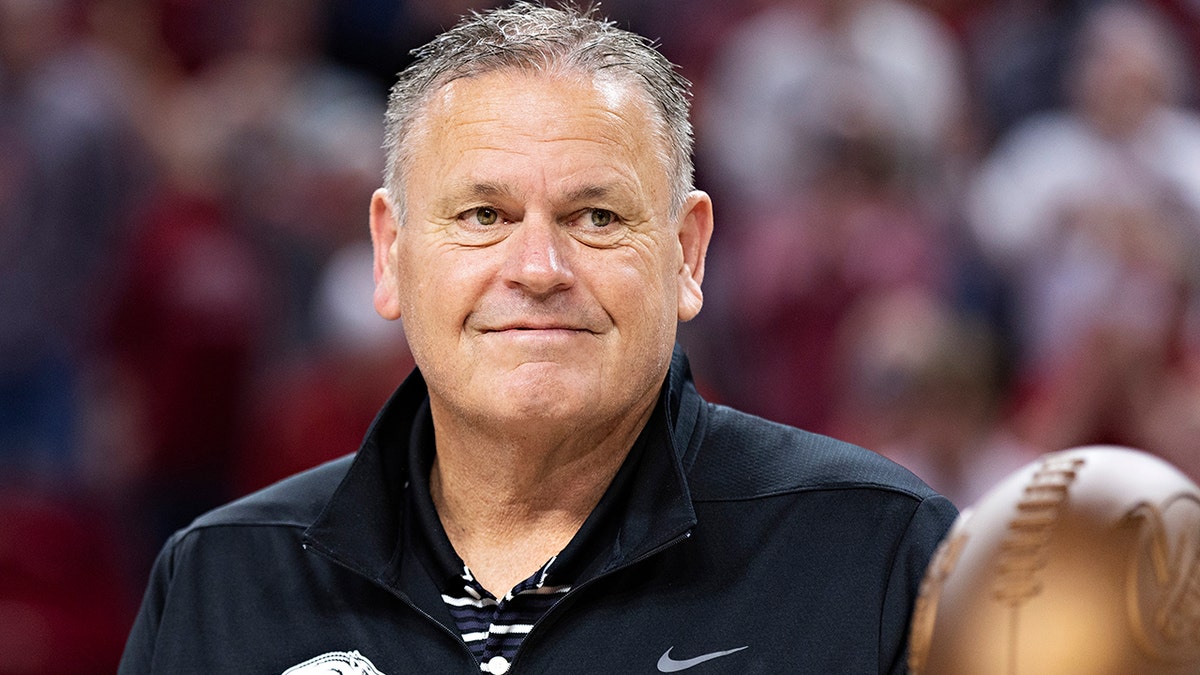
x: 958, y: 232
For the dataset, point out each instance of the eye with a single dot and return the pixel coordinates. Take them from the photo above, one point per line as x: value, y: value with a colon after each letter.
x: 486, y: 216
x: 602, y: 217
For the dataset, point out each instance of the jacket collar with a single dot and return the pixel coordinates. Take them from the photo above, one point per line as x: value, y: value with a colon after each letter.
x: 360, y: 525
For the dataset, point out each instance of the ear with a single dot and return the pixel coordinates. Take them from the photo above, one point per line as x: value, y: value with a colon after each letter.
x: 695, y: 232
x: 384, y: 233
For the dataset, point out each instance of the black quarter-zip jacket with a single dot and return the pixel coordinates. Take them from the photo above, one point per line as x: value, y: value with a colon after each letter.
x: 742, y: 546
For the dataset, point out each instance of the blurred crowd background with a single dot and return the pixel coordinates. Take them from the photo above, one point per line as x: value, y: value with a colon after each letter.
x: 959, y: 232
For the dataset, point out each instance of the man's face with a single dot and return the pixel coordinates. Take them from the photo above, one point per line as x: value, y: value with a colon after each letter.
x: 539, y: 273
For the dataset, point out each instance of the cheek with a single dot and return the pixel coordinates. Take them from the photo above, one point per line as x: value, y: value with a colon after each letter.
x: 432, y: 279
x: 409, y: 284
x: 429, y: 298
x: 645, y: 292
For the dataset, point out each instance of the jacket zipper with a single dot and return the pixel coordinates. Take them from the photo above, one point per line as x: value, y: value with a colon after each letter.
x: 542, y: 621
x: 575, y: 591
x: 404, y: 599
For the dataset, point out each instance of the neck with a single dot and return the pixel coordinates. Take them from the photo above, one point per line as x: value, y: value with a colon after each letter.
x: 509, y: 502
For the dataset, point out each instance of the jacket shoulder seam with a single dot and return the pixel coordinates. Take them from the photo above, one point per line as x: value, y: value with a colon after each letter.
x: 829, y: 487
x: 200, y: 526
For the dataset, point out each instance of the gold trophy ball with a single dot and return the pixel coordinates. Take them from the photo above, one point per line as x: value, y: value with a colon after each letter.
x: 1085, y: 562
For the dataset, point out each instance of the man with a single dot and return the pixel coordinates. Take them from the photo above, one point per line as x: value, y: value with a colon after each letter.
x: 547, y: 492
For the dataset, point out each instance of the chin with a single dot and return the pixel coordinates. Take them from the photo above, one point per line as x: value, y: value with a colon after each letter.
x: 543, y: 391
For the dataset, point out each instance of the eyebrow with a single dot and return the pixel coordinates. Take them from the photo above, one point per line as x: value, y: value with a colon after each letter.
x: 589, y: 193
x: 485, y: 191
x: 489, y: 191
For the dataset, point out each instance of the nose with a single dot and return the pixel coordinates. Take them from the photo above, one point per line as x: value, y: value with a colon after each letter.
x: 537, y: 257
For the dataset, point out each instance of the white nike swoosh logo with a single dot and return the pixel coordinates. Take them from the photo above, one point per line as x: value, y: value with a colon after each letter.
x: 666, y: 664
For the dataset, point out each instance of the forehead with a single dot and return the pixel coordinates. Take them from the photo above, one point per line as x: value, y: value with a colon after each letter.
x: 558, y: 122
x: 520, y: 90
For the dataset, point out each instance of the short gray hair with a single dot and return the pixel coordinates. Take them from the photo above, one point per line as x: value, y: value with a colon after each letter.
x: 538, y: 38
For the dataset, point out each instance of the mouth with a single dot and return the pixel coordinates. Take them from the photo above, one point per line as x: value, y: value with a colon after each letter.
x: 531, y: 324
x: 538, y: 331
x: 534, y: 330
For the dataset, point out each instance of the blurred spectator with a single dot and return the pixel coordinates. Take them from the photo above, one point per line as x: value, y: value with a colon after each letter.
x: 68, y: 174
x: 923, y: 383
x: 1018, y: 50
x: 300, y: 149
x: 1124, y: 145
x: 1120, y: 300
x: 1094, y: 212
x: 1124, y: 123
x: 73, y: 168
x: 374, y: 36
x: 267, y: 154
x: 803, y: 266
x: 66, y: 595
x: 318, y: 408
x: 826, y: 122
x: 187, y: 323
x: 801, y: 70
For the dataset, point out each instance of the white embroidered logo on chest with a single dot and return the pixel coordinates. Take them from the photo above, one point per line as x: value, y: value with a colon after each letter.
x: 336, y: 663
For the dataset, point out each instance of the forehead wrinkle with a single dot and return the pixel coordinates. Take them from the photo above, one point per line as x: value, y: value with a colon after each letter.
x: 616, y: 106
x: 468, y: 191
x: 467, y: 129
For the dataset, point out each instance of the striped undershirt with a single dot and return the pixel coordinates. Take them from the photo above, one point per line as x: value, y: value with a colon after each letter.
x: 494, y: 628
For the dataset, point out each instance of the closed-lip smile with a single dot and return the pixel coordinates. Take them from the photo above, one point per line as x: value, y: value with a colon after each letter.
x: 529, y: 327
x: 535, y: 326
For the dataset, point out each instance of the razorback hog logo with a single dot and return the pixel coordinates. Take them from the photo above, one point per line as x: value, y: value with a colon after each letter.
x: 335, y: 663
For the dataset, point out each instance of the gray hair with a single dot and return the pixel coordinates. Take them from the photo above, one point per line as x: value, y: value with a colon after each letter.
x: 533, y: 37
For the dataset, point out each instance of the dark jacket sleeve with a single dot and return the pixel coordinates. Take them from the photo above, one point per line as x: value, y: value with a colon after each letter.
x: 929, y: 524
x: 138, y: 658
